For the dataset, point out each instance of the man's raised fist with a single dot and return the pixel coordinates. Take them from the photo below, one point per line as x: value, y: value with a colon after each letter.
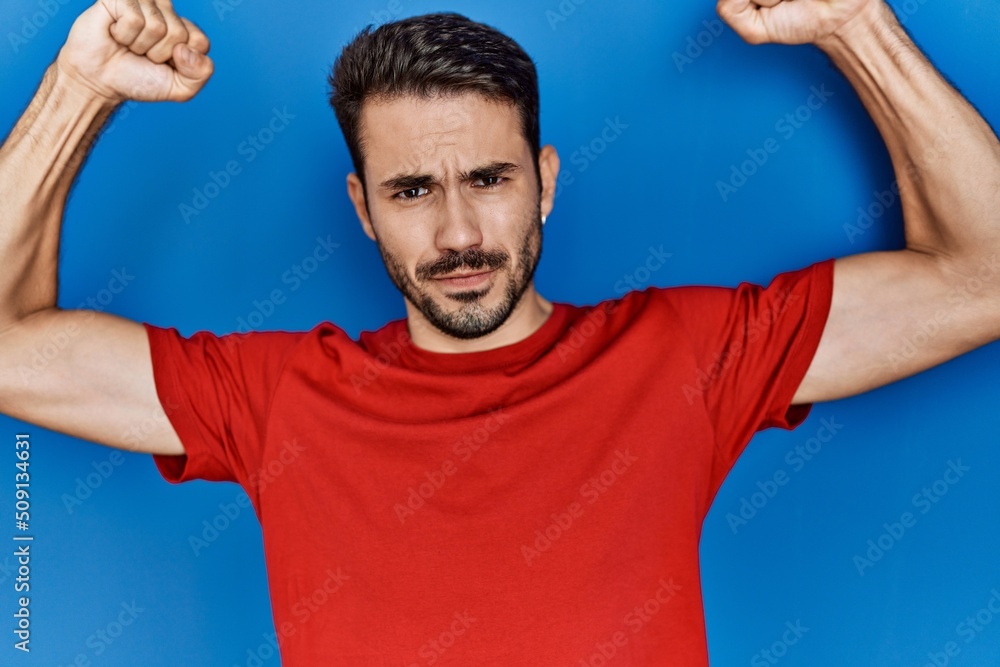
x: 136, y: 49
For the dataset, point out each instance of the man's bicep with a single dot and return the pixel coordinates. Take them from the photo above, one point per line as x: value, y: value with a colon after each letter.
x: 88, y: 375
x: 894, y: 314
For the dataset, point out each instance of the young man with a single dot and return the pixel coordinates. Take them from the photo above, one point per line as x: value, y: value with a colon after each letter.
x: 497, y: 479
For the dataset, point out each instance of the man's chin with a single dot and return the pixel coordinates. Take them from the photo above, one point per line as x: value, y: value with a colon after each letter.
x: 467, y: 306
x: 468, y: 296
x: 466, y: 315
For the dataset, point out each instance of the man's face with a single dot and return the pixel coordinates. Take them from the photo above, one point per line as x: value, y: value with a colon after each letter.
x: 454, y: 206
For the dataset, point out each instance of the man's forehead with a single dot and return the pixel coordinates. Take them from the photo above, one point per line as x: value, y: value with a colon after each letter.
x: 444, y: 109
x: 419, y: 134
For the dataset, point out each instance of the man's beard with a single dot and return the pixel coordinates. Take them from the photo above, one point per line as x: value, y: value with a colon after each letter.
x: 472, y: 319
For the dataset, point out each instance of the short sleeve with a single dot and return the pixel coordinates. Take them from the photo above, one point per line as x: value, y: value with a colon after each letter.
x: 753, y: 346
x: 217, y: 391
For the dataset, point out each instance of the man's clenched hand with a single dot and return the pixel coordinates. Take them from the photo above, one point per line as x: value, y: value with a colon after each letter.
x: 796, y: 21
x: 136, y: 49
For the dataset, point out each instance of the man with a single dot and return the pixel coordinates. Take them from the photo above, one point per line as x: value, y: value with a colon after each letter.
x: 497, y: 478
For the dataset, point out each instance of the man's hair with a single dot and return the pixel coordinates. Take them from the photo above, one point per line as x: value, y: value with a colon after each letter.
x: 427, y: 55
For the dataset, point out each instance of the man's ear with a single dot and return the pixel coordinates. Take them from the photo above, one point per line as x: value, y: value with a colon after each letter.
x: 548, y: 170
x: 356, y: 191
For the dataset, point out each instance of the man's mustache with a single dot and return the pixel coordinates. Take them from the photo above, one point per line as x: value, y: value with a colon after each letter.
x: 471, y: 258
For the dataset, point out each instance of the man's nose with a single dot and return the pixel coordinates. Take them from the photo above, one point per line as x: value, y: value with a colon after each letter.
x: 459, y: 227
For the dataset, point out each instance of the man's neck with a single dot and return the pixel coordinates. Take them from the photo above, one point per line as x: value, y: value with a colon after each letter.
x: 528, y: 316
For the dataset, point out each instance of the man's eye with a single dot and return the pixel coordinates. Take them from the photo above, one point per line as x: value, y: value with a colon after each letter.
x: 412, y: 193
x: 489, y: 182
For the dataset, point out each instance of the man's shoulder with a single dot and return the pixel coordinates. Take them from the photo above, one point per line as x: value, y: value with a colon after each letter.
x: 247, y: 343
x: 701, y: 295
x: 702, y: 304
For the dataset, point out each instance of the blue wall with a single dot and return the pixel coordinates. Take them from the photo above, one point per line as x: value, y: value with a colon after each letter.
x: 684, y: 124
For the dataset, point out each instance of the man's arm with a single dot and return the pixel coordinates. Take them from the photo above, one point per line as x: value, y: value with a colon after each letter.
x: 96, y: 381
x: 896, y: 313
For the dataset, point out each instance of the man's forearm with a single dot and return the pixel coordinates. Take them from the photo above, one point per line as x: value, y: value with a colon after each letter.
x: 38, y: 163
x: 946, y: 157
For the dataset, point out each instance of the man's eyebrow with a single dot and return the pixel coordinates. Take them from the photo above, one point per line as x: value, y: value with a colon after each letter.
x: 406, y: 182
x: 409, y: 181
x: 489, y: 171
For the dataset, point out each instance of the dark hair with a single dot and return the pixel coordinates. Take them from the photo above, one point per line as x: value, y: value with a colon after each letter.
x: 427, y: 55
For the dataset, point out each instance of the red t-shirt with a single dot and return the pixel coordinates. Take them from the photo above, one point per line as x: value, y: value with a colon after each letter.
x: 536, y: 504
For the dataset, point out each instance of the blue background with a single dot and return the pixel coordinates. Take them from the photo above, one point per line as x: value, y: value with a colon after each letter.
x: 687, y: 124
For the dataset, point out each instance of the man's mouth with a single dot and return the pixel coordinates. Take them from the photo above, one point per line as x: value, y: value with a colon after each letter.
x: 466, y: 279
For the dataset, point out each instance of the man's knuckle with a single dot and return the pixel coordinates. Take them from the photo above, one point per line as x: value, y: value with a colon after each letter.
x: 198, y: 42
x: 156, y: 28
x: 177, y: 33
x: 133, y: 21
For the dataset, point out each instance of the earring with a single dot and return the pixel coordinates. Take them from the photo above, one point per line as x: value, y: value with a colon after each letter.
x: 543, y: 219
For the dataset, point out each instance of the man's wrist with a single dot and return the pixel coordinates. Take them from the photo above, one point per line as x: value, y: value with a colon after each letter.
x: 871, y: 24
x: 71, y: 87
